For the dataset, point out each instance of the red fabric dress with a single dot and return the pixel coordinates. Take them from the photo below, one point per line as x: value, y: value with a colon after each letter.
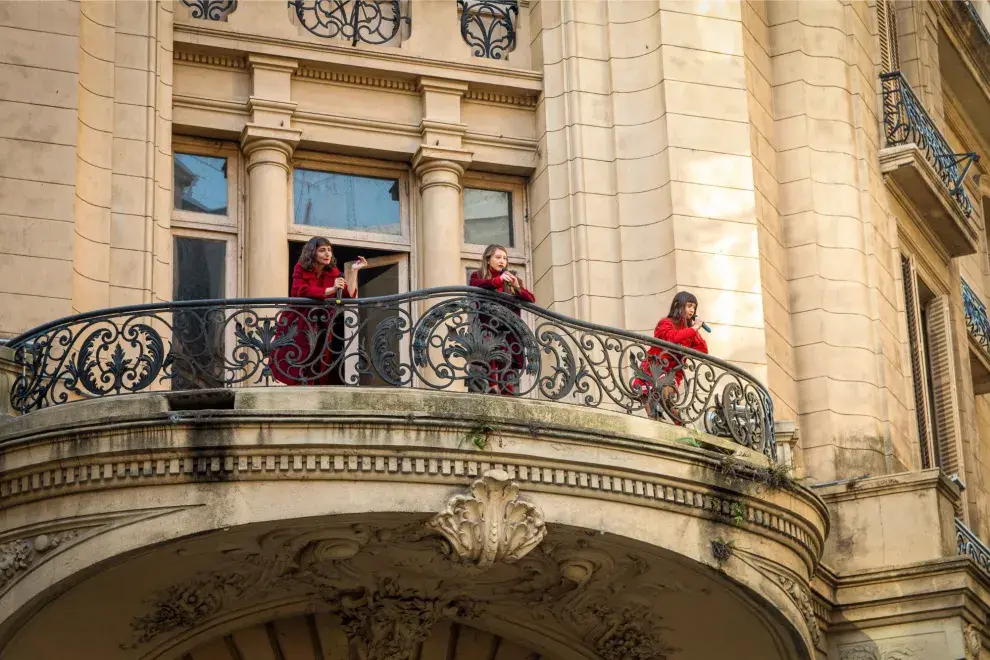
x: 496, y: 283
x: 668, y: 331
x: 299, y: 362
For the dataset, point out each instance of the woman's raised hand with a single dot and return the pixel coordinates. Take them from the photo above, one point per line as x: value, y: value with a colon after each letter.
x: 360, y: 263
x: 506, y: 276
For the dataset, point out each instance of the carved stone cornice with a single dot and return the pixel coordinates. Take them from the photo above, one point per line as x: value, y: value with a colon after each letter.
x: 393, y: 84
x: 495, y: 98
x: 206, y: 59
x: 490, y: 523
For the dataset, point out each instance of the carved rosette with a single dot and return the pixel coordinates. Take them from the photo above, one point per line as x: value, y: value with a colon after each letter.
x: 491, y: 523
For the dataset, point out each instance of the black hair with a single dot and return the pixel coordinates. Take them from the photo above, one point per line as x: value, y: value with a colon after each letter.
x: 677, y: 305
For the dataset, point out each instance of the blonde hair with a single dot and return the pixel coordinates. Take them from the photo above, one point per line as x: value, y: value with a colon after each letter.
x: 485, y: 272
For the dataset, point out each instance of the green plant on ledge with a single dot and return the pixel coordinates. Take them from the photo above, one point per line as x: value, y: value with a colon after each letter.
x: 738, y: 512
x: 481, y: 433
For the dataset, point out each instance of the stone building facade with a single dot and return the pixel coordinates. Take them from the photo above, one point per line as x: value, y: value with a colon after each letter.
x: 813, y: 170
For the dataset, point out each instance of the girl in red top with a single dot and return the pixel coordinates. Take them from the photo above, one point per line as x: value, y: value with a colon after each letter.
x: 493, y: 276
x: 300, y: 362
x: 680, y: 326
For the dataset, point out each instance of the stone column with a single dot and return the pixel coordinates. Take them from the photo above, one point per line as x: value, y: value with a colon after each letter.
x: 441, y: 228
x: 266, y: 244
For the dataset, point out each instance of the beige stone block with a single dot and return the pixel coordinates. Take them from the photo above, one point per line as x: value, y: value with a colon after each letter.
x: 630, y: 12
x: 555, y: 114
x: 604, y: 242
x: 587, y: 11
x: 127, y: 231
x: 131, y: 86
x: 560, y: 179
x: 802, y: 261
x: 35, y: 237
x: 727, y: 137
x: 717, y: 271
x: 93, y: 184
x: 96, y: 75
x: 719, y: 237
x: 40, y: 86
x: 550, y: 42
x: 773, y: 282
x: 766, y: 186
x: 590, y: 209
x: 95, y: 111
x: 38, y: 123
x: 133, y: 17
x: 36, y: 199
x: 641, y: 313
x: 606, y: 310
x: 712, y: 169
x: 120, y: 296
x: 596, y: 177
x: 604, y: 277
x: 834, y: 167
x: 647, y: 241
x: 51, y: 16
x: 729, y: 308
x: 705, y: 101
x: 701, y: 32
x: 647, y: 277
x: 126, y: 267
x: 128, y: 194
x: 794, y: 165
x: 553, y: 79
x: 842, y: 264
x: 129, y: 157
x: 642, y: 71
x: 642, y: 174
x: 39, y: 276
x: 590, y: 40
x: 594, y: 75
x: 95, y: 147
x: 689, y: 65
x: 731, y: 11
x: 592, y: 142
x: 645, y: 208
x: 19, y: 312
x: 841, y: 297
x: 641, y: 140
x: 743, y: 347
x: 52, y: 51
x: 130, y: 121
x: 838, y: 329
x: 703, y: 201
x: 634, y: 108
x: 838, y: 363
x: 539, y: 191
x: 37, y: 161
x: 92, y: 223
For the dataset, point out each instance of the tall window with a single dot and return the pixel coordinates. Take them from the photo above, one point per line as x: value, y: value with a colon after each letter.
x: 488, y: 217
x: 929, y: 329
x: 494, y: 212
x: 887, y: 33
x: 346, y: 201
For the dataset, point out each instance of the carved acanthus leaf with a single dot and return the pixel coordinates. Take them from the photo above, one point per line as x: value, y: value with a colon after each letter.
x: 870, y: 651
x: 802, y: 598
x: 19, y: 555
x: 973, y: 641
x: 491, y: 523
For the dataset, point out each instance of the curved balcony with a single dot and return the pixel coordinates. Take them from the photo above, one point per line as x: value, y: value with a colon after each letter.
x: 454, y: 338
x: 164, y: 476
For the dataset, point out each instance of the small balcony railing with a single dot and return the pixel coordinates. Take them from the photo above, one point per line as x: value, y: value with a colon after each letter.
x: 906, y: 121
x: 452, y: 338
x: 977, y: 323
x: 970, y: 545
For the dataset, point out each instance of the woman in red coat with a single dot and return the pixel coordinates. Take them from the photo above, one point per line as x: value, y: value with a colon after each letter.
x: 306, y: 333
x: 680, y: 326
x: 493, y: 276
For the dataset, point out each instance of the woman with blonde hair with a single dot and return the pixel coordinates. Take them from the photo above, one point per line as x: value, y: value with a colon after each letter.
x: 495, y: 276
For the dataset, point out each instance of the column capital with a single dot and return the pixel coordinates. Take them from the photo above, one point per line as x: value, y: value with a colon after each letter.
x: 429, y: 158
x: 272, y: 62
x: 266, y: 144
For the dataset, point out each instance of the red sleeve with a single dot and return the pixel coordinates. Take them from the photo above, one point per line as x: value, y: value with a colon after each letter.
x: 666, y: 331
x: 491, y: 284
x: 700, y: 344
x: 304, y: 285
x: 526, y: 295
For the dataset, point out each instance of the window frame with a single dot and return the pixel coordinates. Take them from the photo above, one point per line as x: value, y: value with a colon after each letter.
x: 230, y: 255
x: 517, y: 188
x: 401, y: 242
x: 193, y: 220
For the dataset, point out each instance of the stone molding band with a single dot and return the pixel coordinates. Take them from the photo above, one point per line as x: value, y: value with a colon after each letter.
x: 118, y: 470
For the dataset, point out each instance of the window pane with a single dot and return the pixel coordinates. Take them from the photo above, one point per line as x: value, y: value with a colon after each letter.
x: 346, y: 201
x: 200, y: 184
x: 488, y: 217
x: 199, y: 268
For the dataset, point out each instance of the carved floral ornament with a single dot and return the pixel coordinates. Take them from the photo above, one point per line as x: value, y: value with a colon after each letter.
x: 490, y: 523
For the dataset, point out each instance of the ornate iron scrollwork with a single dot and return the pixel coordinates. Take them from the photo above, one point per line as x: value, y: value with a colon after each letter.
x: 489, y: 26
x: 977, y: 323
x: 211, y: 10
x: 905, y: 121
x: 464, y: 339
x: 371, y: 21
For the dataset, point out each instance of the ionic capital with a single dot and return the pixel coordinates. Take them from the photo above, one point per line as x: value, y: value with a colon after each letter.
x: 440, y: 166
x: 269, y: 145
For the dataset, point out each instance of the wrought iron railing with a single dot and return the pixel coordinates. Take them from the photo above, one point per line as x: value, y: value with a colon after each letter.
x: 489, y: 26
x: 970, y: 545
x: 456, y: 338
x: 211, y: 10
x: 370, y: 21
x: 906, y: 121
x: 977, y: 323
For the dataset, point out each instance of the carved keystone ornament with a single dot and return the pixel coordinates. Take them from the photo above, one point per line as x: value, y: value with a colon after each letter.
x: 491, y: 523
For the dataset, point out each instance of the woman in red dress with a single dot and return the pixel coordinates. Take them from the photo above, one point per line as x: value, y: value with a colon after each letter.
x: 306, y: 356
x: 680, y: 326
x: 493, y: 276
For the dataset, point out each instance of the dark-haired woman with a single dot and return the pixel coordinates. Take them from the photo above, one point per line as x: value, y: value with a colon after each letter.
x: 306, y: 357
x: 495, y: 276
x: 680, y: 326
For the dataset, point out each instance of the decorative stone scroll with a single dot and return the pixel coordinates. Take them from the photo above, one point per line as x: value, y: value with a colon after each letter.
x: 490, y: 524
